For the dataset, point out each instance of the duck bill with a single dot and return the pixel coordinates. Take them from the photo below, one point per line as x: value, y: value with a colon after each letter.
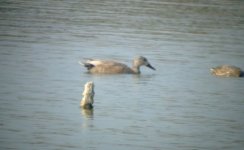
x: 149, y: 66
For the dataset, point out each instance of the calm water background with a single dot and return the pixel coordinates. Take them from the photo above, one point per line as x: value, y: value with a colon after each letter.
x: 179, y: 106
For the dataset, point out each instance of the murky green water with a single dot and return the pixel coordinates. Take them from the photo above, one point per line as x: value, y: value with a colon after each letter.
x: 178, y: 106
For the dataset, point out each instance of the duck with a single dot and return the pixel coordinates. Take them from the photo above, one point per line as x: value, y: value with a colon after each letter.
x: 95, y: 66
x: 226, y: 71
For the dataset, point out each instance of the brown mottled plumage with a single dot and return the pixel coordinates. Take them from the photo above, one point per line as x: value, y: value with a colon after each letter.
x: 226, y: 71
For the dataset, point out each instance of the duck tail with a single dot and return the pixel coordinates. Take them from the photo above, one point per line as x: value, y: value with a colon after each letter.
x: 81, y: 63
x: 86, y: 64
x: 242, y: 74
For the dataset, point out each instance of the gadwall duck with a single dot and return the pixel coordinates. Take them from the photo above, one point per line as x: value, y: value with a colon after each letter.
x: 114, y: 67
x: 226, y: 71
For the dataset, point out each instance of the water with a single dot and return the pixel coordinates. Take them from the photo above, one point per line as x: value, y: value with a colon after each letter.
x: 178, y: 106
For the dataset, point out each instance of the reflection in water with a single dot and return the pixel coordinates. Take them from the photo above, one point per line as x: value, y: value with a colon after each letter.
x: 87, y: 113
x: 143, y: 78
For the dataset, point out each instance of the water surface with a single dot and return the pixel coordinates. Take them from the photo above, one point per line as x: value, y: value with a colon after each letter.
x: 178, y: 106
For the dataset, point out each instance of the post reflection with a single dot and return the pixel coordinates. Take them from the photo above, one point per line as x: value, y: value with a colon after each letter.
x: 87, y: 113
x: 87, y: 117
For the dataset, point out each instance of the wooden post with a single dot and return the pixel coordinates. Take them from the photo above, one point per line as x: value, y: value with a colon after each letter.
x: 88, y: 95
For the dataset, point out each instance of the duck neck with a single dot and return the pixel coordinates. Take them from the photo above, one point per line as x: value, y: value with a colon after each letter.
x: 136, y: 69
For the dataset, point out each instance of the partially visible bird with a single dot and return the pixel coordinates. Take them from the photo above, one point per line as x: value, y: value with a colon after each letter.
x: 226, y: 71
